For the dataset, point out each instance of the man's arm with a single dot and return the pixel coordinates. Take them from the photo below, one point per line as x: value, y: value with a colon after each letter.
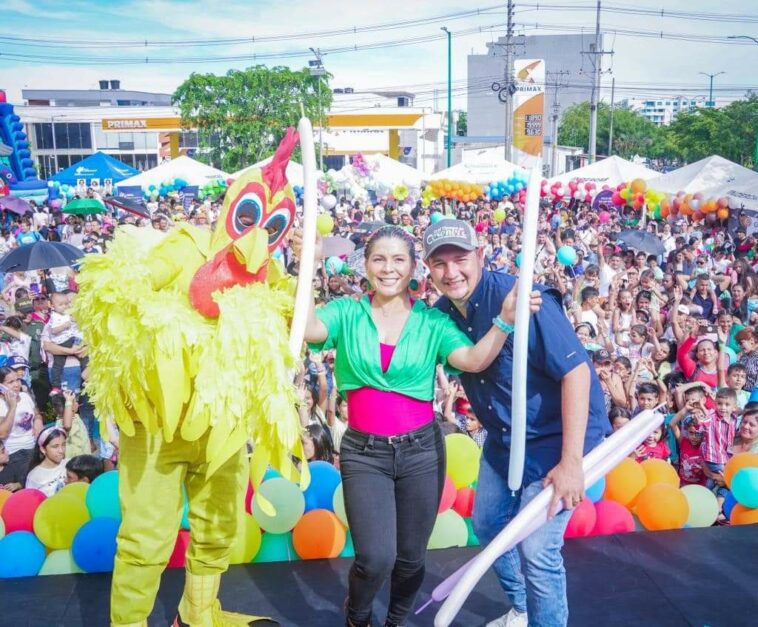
x: 567, y: 477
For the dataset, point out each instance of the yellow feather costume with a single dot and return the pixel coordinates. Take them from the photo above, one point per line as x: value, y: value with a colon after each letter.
x: 187, y: 334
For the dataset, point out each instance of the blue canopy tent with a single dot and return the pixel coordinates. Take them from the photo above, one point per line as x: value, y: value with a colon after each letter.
x: 97, y: 166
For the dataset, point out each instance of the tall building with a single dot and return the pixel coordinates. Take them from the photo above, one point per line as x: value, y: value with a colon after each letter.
x: 661, y: 110
x: 562, y: 53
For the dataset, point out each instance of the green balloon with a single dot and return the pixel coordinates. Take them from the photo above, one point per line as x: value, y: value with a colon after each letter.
x: 338, y: 503
x: 287, y: 501
x: 449, y: 530
x: 472, y: 539
x: 704, y: 508
x: 59, y: 562
x: 349, y: 550
x: 276, y: 547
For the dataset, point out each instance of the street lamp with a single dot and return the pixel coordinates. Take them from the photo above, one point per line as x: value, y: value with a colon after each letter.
x: 449, y: 94
x: 753, y: 39
x: 710, y: 102
x: 317, y: 70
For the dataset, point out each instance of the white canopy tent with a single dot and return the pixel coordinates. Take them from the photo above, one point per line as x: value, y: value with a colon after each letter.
x: 610, y: 171
x: 295, y: 174
x: 194, y: 172
x: 704, y: 175
x: 478, y: 166
x: 392, y: 172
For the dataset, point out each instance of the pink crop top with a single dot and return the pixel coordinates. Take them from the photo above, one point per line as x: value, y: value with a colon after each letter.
x: 386, y: 413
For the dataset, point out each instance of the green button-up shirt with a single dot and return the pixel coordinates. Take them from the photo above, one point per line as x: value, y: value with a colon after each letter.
x: 427, y: 339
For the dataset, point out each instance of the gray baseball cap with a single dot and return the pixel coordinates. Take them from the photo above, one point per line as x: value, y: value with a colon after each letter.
x: 449, y: 232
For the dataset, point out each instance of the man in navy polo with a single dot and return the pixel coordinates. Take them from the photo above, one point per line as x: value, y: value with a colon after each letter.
x: 566, y: 418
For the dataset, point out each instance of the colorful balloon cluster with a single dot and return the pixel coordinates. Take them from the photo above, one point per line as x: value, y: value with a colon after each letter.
x: 456, y: 190
x: 575, y: 188
x: 514, y: 184
x: 165, y: 189
x: 75, y: 530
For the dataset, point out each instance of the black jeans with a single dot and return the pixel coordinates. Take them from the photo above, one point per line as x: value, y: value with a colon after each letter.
x: 392, y: 493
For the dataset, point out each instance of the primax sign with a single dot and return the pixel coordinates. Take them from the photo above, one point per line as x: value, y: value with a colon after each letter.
x: 121, y: 124
x: 142, y: 124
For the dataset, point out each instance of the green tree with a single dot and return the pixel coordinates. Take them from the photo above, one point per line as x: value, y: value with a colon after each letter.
x: 461, y: 126
x: 633, y: 134
x: 242, y: 115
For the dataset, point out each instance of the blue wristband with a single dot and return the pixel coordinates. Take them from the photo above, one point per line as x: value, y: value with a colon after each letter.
x: 503, y: 325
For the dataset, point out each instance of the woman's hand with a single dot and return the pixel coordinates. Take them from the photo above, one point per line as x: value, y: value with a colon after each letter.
x: 508, y: 310
x: 297, y: 245
x: 11, y: 397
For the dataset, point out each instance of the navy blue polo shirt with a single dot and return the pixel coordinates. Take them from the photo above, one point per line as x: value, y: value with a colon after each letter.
x: 554, y: 351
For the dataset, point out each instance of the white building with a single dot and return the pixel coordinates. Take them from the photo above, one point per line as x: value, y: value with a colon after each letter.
x: 661, y: 111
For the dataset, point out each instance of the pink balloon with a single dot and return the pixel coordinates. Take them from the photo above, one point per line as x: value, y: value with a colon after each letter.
x: 582, y: 521
x: 612, y: 517
x: 448, y: 495
x: 604, y: 217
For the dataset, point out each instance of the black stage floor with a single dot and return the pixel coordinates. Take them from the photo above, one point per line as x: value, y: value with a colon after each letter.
x: 695, y: 577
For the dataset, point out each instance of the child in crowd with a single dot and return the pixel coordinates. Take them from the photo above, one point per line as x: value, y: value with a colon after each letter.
x: 65, y: 407
x: 720, y: 428
x: 647, y: 397
x: 472, y: 426
x: 619, y: 416
x: 11, y: 477
x: 736, y: 377
x: 107, y: 450
x: 654, y: 446
x: 47, y: 469
x: 690, y: 439
x: 64, y: 333
x: 84, y: 469
x: 317, y: 444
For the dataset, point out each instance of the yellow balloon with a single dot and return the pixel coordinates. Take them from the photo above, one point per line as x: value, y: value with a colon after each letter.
x: 324, y: 224
x: 463, y: 457
x: 248, y: 541
x: 78, y: 489
x: 59, y: 562
x: 58, y: 518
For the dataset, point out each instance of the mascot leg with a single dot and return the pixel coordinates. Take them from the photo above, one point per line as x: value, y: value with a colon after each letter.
x: 214, y: 507
x: 151, y: 474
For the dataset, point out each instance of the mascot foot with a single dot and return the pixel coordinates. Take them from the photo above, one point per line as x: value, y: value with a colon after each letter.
x: 199, y: 606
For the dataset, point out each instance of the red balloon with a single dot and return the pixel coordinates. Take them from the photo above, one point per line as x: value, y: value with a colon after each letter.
x: 464, y: 502
x: 612, y: 517
x: 697, y: 216
x: 19, y: 509
x: 582, y: 521
x: 588, y: 198
x: 229, y: 181
x: 179, y: 554
x: 448, y: 495
x: 249, y: 498
x: 617, y: 200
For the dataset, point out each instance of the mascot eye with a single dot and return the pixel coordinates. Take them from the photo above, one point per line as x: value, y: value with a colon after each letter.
x: 248, y: 212
x: 276, y: 225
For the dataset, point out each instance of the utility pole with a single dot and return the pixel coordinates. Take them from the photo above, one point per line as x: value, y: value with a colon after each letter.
x: 710, y: 102
x: 509, y: 85
x: 596, y: 58
x: 449, y: 95
x: 555, y: 80
x: 317, y: 70
x: 610, y: 121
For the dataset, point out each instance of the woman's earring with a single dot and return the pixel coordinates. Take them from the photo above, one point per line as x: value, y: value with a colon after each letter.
x: 413, y: 285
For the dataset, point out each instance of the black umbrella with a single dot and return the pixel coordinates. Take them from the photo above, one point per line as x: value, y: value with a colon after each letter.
x: 129, y: 205
x: 40, y: 256
x: 364, y: 228
x: 642, y: 241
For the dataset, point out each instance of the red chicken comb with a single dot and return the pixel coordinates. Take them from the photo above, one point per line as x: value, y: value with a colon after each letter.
x: 275, y: 171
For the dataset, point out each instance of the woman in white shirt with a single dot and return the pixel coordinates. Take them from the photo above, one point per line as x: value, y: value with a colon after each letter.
x: 20, y: 421
x: 47, y: 470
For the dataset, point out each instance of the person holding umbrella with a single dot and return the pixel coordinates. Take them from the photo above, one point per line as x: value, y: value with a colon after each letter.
x: 26, y: 235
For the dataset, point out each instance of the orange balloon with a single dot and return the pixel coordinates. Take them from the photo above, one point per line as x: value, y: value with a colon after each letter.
x: 638, y: 186
x: 662, y: 506
x: 737, y: 463
x: 448, y: 187
x: 660, y: 471
x: 665, y: 211
x: 742, y: 515
x: 4, y: 496
x: 685, y: 209
x: 318, y: 534
x: 624, y: 483
x: 722, y: 214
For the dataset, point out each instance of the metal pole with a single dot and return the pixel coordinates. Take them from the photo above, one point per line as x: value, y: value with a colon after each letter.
x: 55, y: 145
x: 320, y: 129
x: 710, y: 103
x: 449, y: 95
x: 554, y: 147
x: 509, y: 85
x: 610, y: 121
x: 595, y: 89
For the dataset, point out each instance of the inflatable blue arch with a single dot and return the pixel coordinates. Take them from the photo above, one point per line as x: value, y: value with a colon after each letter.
x: 17, y: 170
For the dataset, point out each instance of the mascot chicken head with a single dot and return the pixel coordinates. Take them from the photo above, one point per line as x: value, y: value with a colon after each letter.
x: 259, y: 209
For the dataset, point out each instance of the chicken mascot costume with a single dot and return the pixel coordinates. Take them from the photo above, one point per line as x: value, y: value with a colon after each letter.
x: 187, y: 333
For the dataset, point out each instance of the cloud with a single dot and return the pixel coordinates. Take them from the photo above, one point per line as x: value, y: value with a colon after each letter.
x: 37, y: 9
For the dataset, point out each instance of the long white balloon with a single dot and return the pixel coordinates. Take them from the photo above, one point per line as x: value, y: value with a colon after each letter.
x: 304, y: 292
x: 596, y: 464
x: 521, y: 336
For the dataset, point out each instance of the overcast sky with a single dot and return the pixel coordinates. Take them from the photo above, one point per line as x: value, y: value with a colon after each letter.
x: 52, y: 44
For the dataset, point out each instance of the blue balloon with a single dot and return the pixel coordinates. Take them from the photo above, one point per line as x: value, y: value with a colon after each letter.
x: 185, y: 509
x: 102, y: 496
x: 595, y: 491
x: 437, y: 216
x: 324, y: 481
x: 566, y: 255
x: 21, y: 555
x: 276, y: 547
x: 486, y: 190
x: 349, y: 550
x: 334, y: 265
x: 518, y: 260
x: 94, y: 547
x: 728, y: 506
x: 270, y: 474
x: 745, y: 487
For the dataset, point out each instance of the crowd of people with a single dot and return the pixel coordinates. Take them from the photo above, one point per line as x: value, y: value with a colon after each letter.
x: 673, y: 331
